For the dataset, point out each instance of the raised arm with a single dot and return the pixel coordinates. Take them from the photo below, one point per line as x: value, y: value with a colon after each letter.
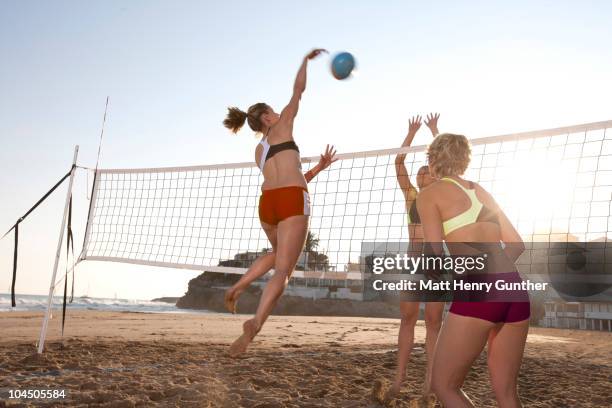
x: 403, y: 178
x: 325, y: 161
x: 432, y: 123
x: 299, y: 86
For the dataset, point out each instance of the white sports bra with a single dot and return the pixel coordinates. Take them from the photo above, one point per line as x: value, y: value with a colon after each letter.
x: 264, y: 152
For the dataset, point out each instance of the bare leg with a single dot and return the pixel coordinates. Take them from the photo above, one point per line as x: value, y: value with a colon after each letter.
x: 460, y: 342
x: 433, y: 322
x: 260, y: 267
x: 291, y: 235
x: 405, y: 341
x: 505, y: 355
x: 291, y: 238
x: 255, y: 271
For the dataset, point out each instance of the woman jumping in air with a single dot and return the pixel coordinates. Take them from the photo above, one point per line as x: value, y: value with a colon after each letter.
x: 468, y: 219
x: 410, y: 301
x: 284, y: 205
x: 265, y: 263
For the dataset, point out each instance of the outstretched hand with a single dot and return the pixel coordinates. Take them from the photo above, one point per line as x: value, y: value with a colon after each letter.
x: 414, y: 124
x: 432, y: 122
x: 315, y: 53
x: 327, y: 158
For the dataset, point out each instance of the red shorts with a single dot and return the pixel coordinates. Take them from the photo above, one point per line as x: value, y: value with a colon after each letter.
x: 278, y: 204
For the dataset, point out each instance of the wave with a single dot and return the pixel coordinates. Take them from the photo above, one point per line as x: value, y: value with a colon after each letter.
x: 38, y: 302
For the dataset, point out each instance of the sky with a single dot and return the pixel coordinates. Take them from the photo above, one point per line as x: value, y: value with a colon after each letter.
x: 172, y: 68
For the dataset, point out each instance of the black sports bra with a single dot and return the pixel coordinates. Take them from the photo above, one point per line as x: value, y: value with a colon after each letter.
x: 290, y: 145
x: 270, y: 150
x: 413, y: 214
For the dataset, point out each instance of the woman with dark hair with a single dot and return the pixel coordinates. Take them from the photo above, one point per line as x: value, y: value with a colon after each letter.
x: 284, y: 205
x: 466, y: 217
x: 265, y: 263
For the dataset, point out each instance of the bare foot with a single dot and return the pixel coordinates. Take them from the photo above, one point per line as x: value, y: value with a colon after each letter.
x: 231, y: 299
x: 239, y: 346
x: 377, y: 391
x: 392, y: 392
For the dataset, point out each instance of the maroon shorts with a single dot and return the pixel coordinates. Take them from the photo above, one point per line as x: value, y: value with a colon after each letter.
x: 495, y: 312
x: 503, y: 308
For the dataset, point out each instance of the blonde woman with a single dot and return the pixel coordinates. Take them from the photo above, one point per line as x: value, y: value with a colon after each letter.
x: 467, y: 218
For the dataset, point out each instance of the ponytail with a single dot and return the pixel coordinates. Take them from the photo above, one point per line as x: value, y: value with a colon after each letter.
x: 235, y: 119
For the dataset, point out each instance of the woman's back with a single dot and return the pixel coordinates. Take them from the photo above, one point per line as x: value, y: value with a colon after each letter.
x: 470, y: 221
x: 457, y: 200
x: 278, y: 158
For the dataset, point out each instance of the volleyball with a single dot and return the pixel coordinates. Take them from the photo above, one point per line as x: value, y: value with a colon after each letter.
x: 342, y: 65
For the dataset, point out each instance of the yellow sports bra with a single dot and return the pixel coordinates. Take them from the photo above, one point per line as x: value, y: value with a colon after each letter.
x: 476, y: 213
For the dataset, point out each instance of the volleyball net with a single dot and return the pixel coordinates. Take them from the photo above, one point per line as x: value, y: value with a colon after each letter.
x: 555, y: 186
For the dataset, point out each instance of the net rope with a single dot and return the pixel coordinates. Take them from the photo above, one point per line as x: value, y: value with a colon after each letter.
x: 554, y: 185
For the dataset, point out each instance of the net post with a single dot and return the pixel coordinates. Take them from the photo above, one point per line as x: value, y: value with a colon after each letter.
x: 45, y: 324
x: 92, y: 200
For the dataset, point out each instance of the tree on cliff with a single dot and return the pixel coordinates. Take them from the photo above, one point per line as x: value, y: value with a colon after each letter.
x: 314, y: 259
x: 312, y: 242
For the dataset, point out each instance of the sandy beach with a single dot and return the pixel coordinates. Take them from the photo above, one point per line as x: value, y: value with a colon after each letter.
x: 134, y: 359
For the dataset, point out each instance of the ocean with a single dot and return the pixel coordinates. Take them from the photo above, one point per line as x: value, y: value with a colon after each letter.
x: 39, y: 303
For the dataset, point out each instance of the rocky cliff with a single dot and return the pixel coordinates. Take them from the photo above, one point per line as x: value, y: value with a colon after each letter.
x: 206, y: 292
